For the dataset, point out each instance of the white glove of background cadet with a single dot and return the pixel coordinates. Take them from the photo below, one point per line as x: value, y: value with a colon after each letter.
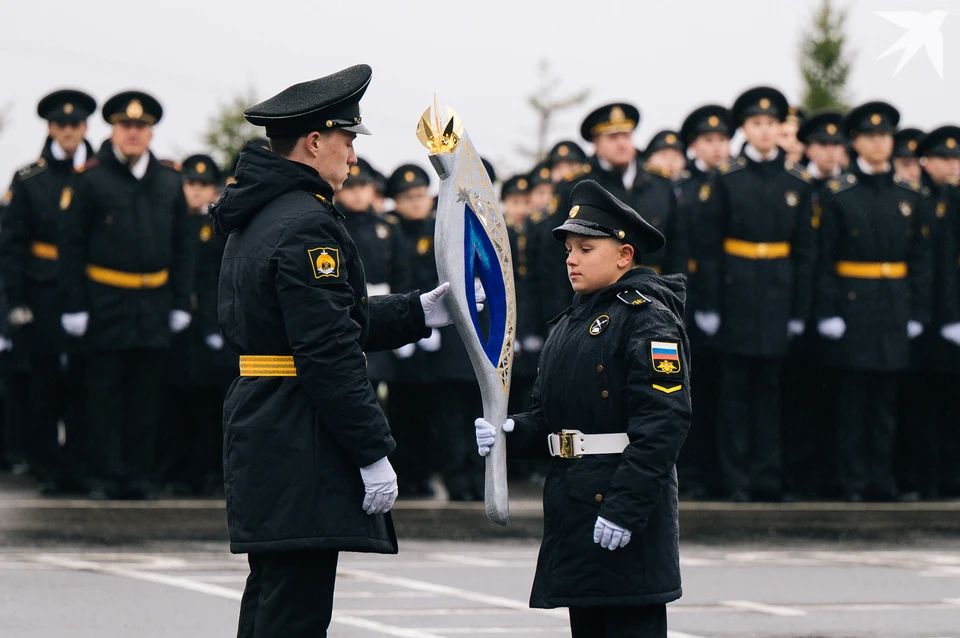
x: 380, y: 484
x: 5, y: 344
x: 832, y: 328
x: 179, y: 320
x: 75, y: 323
x: 914, y: 329
x: 533, y: 343
x: 20, y: 316
x: 951, y: 332
x: 610, y: 535
x: 708, y: 322
x: 214, y: 341
x: 435, y: 311
x: 431, y: 343
x: 795, y: 327
x: 487, y: 434
x: 405, y: 352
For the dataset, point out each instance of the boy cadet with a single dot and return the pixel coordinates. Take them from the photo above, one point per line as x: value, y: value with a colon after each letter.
x: 40, y: 195
x: 757, y: 254
x: 906, y: 162
x: 667, y: 153
x: 566, y: 160
x: 305, y: 442
x: 127, y: 270
x: 873, y: 297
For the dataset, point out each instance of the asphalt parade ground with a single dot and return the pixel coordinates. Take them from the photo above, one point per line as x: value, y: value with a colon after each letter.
x: 437, y: 589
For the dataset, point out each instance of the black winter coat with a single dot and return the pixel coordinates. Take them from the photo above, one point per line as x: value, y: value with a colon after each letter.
x: 293, y: 446
x: 607, y: 383
x: 131, y: 225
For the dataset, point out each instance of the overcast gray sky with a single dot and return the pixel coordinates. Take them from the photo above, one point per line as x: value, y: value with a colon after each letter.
x: 480, y: 57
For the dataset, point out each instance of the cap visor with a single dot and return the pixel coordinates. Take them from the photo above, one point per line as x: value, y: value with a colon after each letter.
x: 571, y: 226
x: 359, y: 129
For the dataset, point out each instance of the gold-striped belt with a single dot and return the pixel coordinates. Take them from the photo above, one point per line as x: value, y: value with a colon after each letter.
x: 259, y: 365
x: 756, y: 250
x: 44, y: 250
x: 871, y: 270
x: 133, y: 280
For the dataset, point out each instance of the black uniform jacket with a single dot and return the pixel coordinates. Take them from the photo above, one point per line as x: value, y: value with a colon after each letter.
x: 599, y: 374
x: 130, y: 225
x: 873, y: 219
x: 292, y: 283
x: 41, y: 195
x: 762, y: 207
x: 692, y: 192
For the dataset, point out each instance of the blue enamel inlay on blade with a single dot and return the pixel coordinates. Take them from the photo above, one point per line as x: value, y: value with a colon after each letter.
x: 480, y: 260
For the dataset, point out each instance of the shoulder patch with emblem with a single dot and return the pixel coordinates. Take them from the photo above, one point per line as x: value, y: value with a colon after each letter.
x: 732, y: 165
x: 32, y: 169
x: 633, y: 298
x: 656, y: 170
x: 799, y: 172
x: 842, y: 183
x: 665, y: 357
x: 599, y: 324
x: 324, y: 262
x: 906, y: 184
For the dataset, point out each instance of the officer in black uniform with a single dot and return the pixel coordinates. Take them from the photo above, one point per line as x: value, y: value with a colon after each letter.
x: 127, y: 270
x: 611, y: 406
x: 906, y: 162
x: 566, y: 160
x: 305, y: 441
x: 874, y: 297
x: 928, y: 430
x: 667, y: 152
x: 706, y: 131
x: 40, y: 195
x: 757, y: 259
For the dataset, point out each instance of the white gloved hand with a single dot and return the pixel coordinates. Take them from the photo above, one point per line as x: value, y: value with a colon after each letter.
x: 708, y: 322
x: 20, y: 316
x: 914, y: 329
x: 533, y: 343
x: 179, y: 320
x: 487, y: 434
x: 517, y: 346
x: 405, y: 352
x: 435, y: 311
x: 795, y: 327
x: 610, y: 535
x: 75, y: 323
x: 951, y: 332
x: 431, y: 343
x: 214, y: 342
x: 832, y: 328
x: 380, y: 485
x: 5, y: 344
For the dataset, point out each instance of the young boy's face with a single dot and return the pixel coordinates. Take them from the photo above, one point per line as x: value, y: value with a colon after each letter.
x: 594, y: 263
x: 762, y: 132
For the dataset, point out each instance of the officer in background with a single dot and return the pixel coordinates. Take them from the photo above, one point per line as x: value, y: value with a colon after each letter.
x: 127, y: 269
x: 789, y: 140
x: 566, y: 160
x: 382, y: 252
x: 906, y: 162
x: 706, y: 131
x: 540, y: 186
x: 874, y: 272
x: 757, y: 258
x: 41, y: 194
x: 667, y: 152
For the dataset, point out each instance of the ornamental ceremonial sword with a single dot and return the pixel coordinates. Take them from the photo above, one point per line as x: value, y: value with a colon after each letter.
x: 471, y: 243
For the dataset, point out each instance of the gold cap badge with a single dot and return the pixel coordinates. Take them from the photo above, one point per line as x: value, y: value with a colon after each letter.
x: 831, y: 129
x: 201, y: 168
x: 617, y: 116
x: 545, y: 173
x: 912, y: 145
x: 409, y: 176
x: 67, y: 108
x: 574, y: 211
x: 670, y: 139
x: 951, y: 143
x: 875, y: 119
x: 354, y: 170
x: 134, y: 110
x: 764, y: 104
x: 713, y: 120
x: 522, y: 184
x: 563, y: 151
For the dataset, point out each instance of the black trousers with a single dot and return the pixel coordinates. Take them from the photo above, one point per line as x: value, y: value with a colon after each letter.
x: 189, y: 446
x: 809, y: 431
x: 697, y: 463
x: 16, y: 408
x: 411, y: 413
x: 123, y: 390
x: 46, y: 394
x: 619, y: 622
x: 458, y: 404
x: 288, y: 594
x: 866, y: 432
x: 748, y: 430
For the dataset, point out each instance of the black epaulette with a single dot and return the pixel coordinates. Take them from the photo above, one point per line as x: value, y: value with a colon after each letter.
x: 171, y: 164
x: 654, y: 170
x: 536, y: 217
x: 842, y: 183
x: 633, y: 298
x: 578, y: 173
x: 798, y: 171
x: 32, y: 169
x: 390, y: 218
x: 906, y: 184
x: 732, y: 165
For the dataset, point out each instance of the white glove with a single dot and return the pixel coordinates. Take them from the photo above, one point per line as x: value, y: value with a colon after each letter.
x: 517, y: 347
x: 214, y: 342
x: 179, y: 320
x: 20, y: 316
x: 914, y: 329
x: 487, y: 434
x: 795, y: 327
x: 431, y: 343
x: 380, y: 484
x: 533, y: 343
x: 951, y: 332
x: 610, y: 535
x: 832, y: 328
x: 708, y: 322
x: 75, y: 323
x: 435, y: 311
x: 405, y: 352
x: 5, y: 344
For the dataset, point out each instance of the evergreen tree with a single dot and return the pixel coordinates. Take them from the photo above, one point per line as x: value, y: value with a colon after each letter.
x: 824, y: 60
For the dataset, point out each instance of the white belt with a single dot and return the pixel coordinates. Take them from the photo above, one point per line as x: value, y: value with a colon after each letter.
x: 378, y: 290
x: 572, y: 444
